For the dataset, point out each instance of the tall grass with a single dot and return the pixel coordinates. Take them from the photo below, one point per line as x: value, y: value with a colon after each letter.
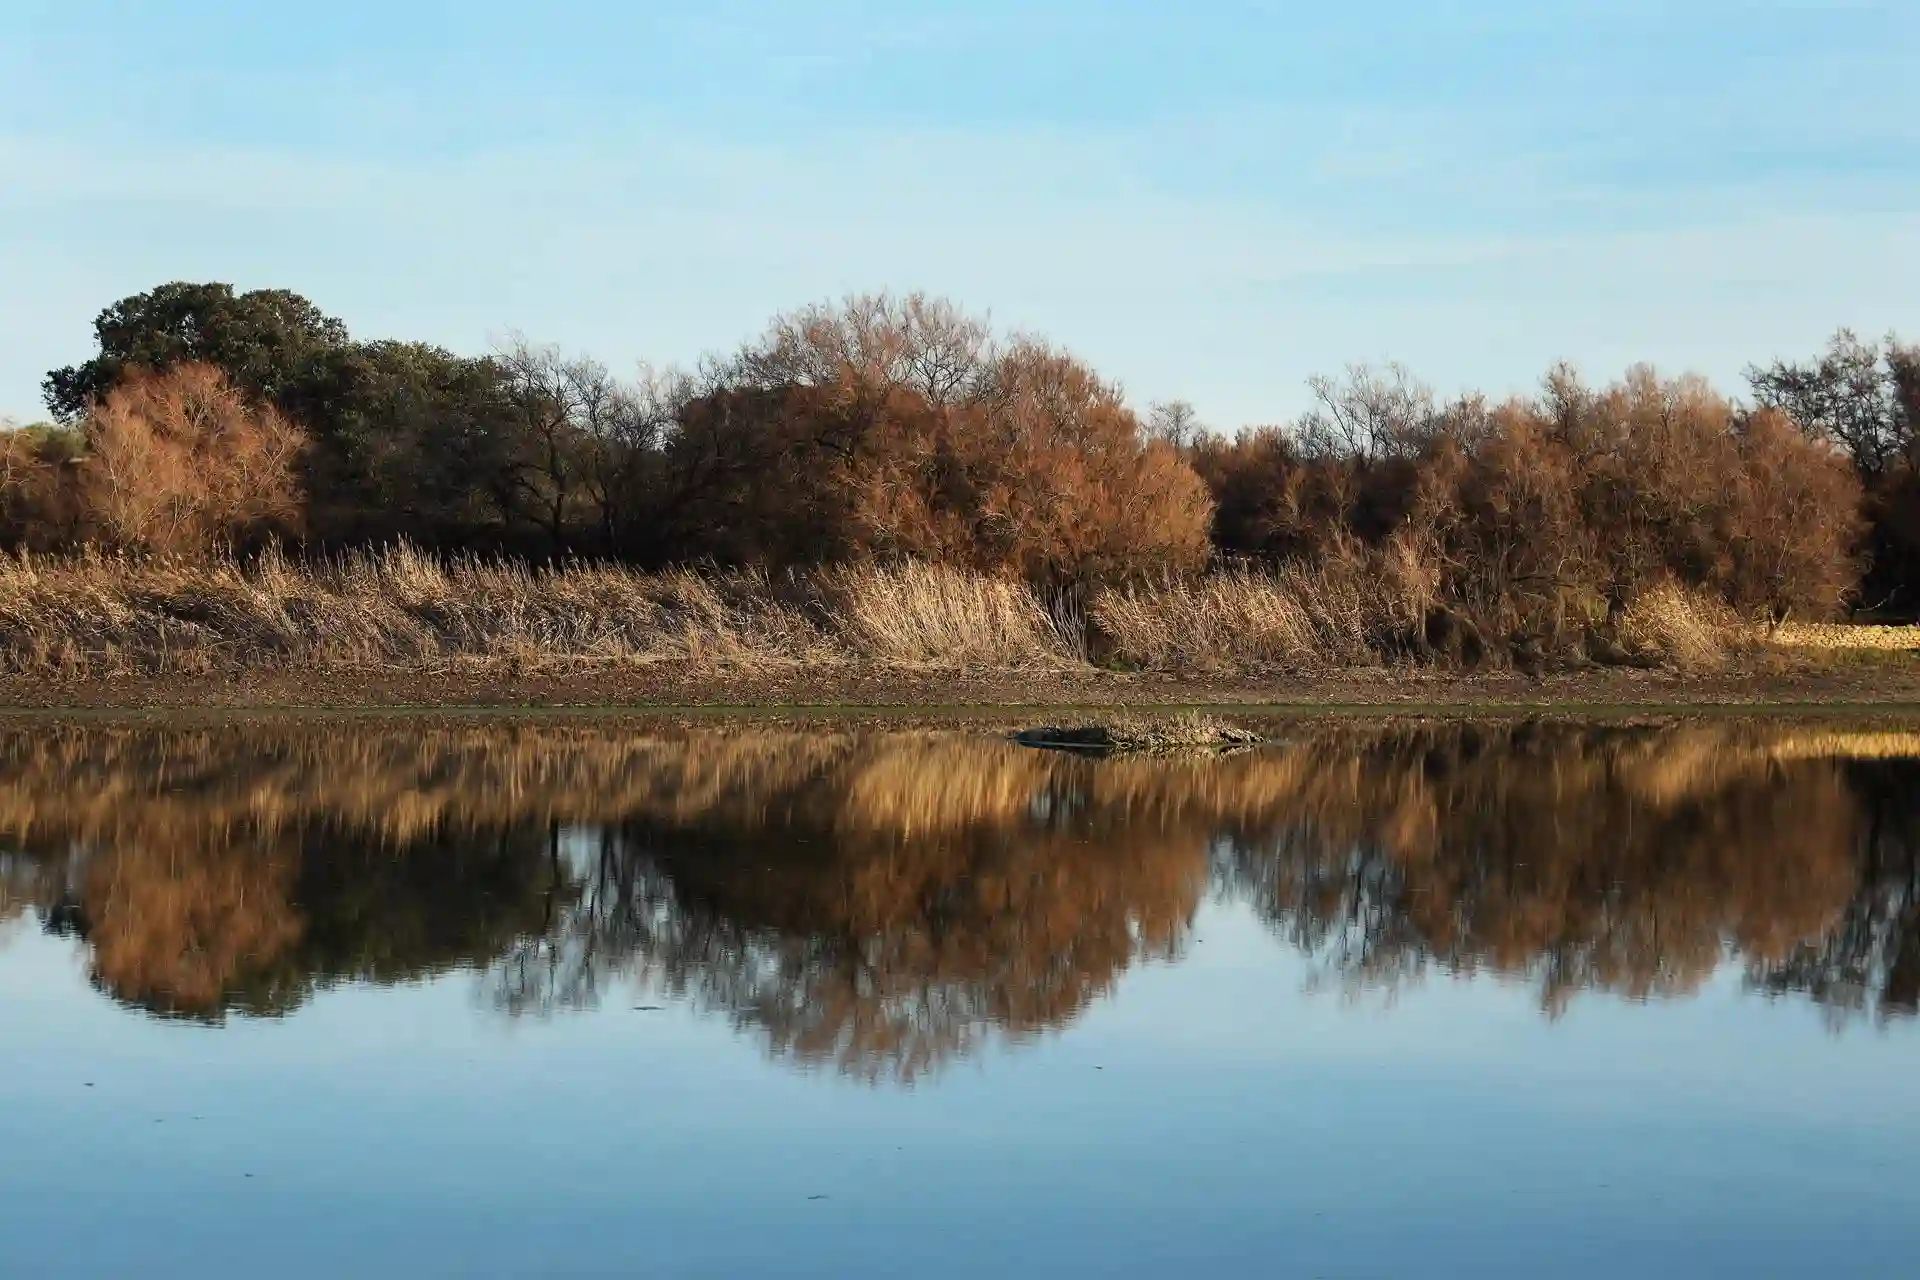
x: 1844, y: 636
x: 1291, y: 618
x: 106, y: 615
x: 935, y: 614
x: 1685, y: 629
x: 95, y: 615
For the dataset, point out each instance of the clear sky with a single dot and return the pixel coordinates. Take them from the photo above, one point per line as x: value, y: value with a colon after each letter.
x: 1211, y: 199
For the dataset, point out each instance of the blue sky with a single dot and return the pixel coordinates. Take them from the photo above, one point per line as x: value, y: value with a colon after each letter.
x: 1211, y: 200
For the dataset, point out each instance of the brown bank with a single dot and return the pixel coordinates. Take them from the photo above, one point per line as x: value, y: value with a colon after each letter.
x: 402, y: 629
x: 1892, y: 684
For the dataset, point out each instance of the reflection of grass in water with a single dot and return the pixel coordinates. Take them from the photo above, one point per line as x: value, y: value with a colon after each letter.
x: 399, y: 784
x: 1671, y: 769
x: 88, y: 782
x: 1845, y: 746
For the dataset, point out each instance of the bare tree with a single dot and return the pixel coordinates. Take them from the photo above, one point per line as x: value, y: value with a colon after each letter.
x: 1174, y: 422
x: 583, y: 440
x: 1858, y: 395
x: 1372, y: 415
x: 925, y: 345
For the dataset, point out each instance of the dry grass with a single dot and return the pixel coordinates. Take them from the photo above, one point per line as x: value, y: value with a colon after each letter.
x: 1847, y: 636
x: 94, y: 615
x: 1354, y: 608
x: 1237, y: 620
x: 1686, y: 629
x: 99, y: 615
x: 925, y: 613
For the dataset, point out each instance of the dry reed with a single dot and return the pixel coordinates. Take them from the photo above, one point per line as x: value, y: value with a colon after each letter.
x: 100, y: 615
x: 1844, y: 636
x: 1686, y: 629
x: 1231, y: 620
x: 926, y: 613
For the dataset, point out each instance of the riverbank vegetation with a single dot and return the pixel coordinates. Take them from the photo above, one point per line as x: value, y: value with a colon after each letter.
x: 98, y: 616
x: 233, y: 479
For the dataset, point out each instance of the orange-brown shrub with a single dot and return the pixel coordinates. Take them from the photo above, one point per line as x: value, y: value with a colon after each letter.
x: 1048, y: 476
x: 38, y: 509
x: 1541, y: 519
x: 1797, y: 521
x: 181, y: 462
x: 896, y: 430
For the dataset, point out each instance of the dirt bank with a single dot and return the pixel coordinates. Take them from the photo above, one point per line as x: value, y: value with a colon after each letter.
x: 1888, y: 685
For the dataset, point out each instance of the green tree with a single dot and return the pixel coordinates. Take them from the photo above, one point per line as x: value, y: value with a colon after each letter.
x: 411, y: 439
x: 265, y: 340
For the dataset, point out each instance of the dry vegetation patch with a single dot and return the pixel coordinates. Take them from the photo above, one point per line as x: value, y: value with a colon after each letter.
x: 1843, y: 635
x: 1689, y: 630
x: 96, y: 615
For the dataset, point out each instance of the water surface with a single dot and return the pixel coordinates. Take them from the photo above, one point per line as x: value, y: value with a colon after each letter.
x: 499, y: 1000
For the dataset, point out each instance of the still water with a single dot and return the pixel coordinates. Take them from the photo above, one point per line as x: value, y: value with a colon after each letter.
x: 578, y: 1000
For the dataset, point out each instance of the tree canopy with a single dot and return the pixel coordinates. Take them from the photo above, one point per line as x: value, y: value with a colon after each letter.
x: 265, y: 340
x: 889, y: 427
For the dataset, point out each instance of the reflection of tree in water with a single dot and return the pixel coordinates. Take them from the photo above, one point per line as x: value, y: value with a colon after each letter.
x: 1622, y: 861
x: 1869, y: 962
x: 208, y: 872
x: 883, y: 903
x: 884, y: 945
x: 255, y: 921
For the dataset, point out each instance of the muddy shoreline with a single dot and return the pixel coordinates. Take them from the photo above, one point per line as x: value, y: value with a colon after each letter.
x: 1863, y: 688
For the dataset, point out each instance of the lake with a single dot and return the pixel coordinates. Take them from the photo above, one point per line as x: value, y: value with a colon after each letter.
x: 500, y: 998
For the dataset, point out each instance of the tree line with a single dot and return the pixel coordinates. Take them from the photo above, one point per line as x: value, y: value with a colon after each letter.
x: 892, y: 428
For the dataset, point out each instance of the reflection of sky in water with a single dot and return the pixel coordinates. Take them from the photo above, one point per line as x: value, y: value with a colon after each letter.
x: 1209, y: 1113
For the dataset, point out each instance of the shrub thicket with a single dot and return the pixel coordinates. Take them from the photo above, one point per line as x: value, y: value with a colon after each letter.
x: 900, y: 430
x: 1539, y: 519
x: 178, y: 462
x: 895, y: 432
